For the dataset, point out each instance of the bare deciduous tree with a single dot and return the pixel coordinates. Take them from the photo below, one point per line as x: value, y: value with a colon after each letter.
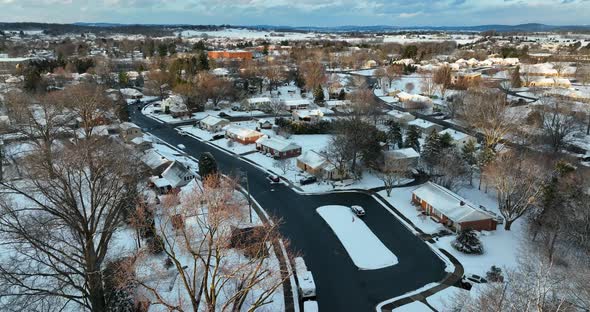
x: 222, y: 263
x: 392, y: 172
x: 517, y: 181
x: 57, y: 225
x: 488, y: 112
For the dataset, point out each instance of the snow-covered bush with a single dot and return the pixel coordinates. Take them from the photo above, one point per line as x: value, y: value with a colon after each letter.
x: 468, y: 242
x: 495, y: 274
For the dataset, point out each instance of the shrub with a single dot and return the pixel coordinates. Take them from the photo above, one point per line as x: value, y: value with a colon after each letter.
x: 156, y: 244
x: 495, y: 275
x: 468, y: 242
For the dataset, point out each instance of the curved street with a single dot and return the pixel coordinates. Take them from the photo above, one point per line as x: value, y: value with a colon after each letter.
x: 340, y: 285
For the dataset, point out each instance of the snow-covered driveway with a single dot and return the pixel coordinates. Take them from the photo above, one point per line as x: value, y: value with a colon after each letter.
x: 364, y: 248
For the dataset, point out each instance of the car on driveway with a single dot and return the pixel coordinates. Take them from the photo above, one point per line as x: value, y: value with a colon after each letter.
x: 473, y: 278
x: 308, y: 180
x: 357, y: 210
x: 222, y: 114
x: 217, y: 137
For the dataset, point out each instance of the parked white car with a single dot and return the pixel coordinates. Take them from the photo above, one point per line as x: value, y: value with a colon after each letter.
x: 357, y: 210
x: 181, y: 146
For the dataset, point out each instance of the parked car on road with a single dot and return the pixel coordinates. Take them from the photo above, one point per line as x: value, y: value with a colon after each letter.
x: 223, y: 114
x: 308, y: 180
x: 181, y: 146
x: 357, y: 210
x: 274, y: 179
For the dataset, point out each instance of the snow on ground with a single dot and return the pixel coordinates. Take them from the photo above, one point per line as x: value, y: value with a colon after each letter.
x: 364, y: 248
x: 401, y: 199
x: 151, y: 110
x: 415, y: 306
x: 500, y: 247
x: 442, y: 299
x: 198, y: 132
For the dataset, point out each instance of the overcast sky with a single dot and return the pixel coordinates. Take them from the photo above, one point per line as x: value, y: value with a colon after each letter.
x: 301, y: 12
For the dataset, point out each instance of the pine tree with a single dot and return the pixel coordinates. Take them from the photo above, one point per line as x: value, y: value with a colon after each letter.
x: 412, y: 137
x: 318, y: 94
x: 342, y: 95
x: 515, y: 80
x: 394, y: 135
x: 203, y: 61
x: 446, y: 141
x: 468, y: 242
x: 207, y: 165
x: 468, y: 151
x: 432, y: 149
x: 123, y: 79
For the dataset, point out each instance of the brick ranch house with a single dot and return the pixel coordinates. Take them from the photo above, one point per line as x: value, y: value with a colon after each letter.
x: 278, y: 148
x: 451, y: 209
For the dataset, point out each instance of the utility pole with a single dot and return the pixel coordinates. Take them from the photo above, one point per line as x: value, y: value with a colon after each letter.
x: 249, y: 197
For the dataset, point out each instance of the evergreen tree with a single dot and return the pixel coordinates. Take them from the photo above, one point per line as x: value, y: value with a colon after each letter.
x: 468, y: 242
x: 207, y: 165
x: 203, y: 61
x: 394, y: 134
x: 342, y: 95
x: 446, y: 141
x: 123, y: 79
x: 318, y: 94
x: 412, y: 137
x: 468, y: 151
x: 162, y: 50
x: 431, y: 149
x: 515, y: 80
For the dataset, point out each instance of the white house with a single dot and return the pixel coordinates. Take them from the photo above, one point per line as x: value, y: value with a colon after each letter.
x: 425, y: 126
x: 213, y: 123
x: 277, y: 148
x: 459, y: 138
x: 400, y: 117
x: 297, y: 104
x: 306, y: 115
x: 175, y: 105
x: 175, y: 176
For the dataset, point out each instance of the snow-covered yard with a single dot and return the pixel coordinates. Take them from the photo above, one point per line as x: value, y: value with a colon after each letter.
x: 501, y: 247
x: 364, y: 248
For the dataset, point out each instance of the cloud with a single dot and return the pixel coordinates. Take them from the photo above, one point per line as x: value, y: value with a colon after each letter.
x: 409, y: 15
x: 300, y: 12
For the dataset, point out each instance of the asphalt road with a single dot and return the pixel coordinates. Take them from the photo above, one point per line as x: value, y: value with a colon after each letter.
x: 340, y: 285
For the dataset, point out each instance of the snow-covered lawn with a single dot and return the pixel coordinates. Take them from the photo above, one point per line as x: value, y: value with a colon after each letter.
x: 364, y: 248
x: 442, y: 299
x: 500, y: 247
x: 234, y: 147
x: 198, y: 132
x: 150, y: 111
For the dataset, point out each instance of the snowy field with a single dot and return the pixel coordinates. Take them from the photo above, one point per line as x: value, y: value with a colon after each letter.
x: 364, y: 248
x: 501, y: 247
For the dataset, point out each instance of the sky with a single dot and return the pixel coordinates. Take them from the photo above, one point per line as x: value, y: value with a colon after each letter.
x: 300, y: 12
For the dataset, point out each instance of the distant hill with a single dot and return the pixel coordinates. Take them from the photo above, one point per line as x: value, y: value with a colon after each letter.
x: 138, y: 28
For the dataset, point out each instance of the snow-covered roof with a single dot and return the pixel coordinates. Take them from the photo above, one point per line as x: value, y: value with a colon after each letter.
x: 404, y: 96
x: 175, y: 174
x: 153, y: 159
x: 332, y: 103
x: 220, y: 72
x: 312, y: 159
x: 297, y: 102
x: 305, y: 113
x: 277, y: 144
x: 421, y: 123
x: 456, y: 135
x: 257, y: 100
x: 130, y: 92
x: 403, y: 153
x: 128, y: 125
x: 401, y: 115
x: 242, y: 132
x: 141, y: 139
x: 213, y: 121
x: 453, y: 206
